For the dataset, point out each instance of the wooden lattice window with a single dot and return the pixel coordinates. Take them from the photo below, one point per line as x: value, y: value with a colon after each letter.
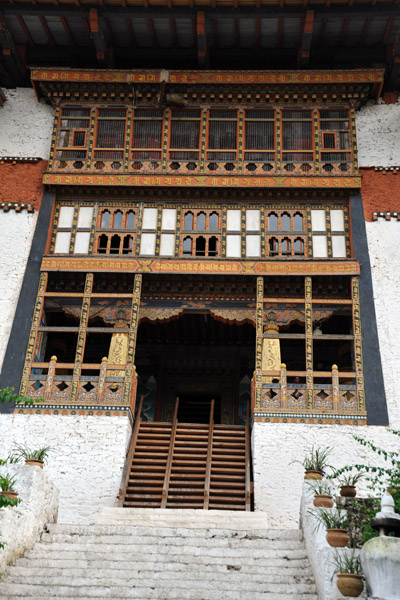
x: 72, y: 136
x: 110, y: 137
x: 115, y: 239
x: 205, y: 229
x: 297, y: 139
x: 222, y: 138
x: 280, y: 228
x: 146, y: 136
x: 184, y: 139
x: 335, y: 139
x: 259, y: 138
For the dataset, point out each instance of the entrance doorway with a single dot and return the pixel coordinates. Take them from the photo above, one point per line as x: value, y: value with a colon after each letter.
x: 190, y: 446
x: 196, y: 357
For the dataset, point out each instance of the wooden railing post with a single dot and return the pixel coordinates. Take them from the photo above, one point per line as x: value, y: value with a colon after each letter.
x: 50, y: 378
x: 131, y: 453
x: 335, y: 388
x: 207, y: 480
x: 168, y: 466
x: 247, y: 463
x: 102, y: 380
x: 283, y: 387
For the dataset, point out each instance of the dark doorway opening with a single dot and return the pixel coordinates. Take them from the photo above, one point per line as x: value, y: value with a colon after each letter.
x: 195, y: 408
x: 197, y: 357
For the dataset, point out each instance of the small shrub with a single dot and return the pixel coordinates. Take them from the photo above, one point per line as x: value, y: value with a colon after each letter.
x: 22, y: 451
x: 320, y: 486
x: 330, y: 518
x: 7, y: 482
x: 347, y: 562
x: 316, y: 459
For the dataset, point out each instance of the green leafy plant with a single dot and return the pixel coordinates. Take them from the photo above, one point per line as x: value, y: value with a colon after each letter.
x: 316, y: 459
x: 7, y: 482
x: 10, y: 460
x: 7, y: 395
x: 330, y: 518
x: 351, y: 479
x: 22, y: 451
x: 346, y: 562
x: 4, y: 502
x: 379, y: 478
x: 320, y: 487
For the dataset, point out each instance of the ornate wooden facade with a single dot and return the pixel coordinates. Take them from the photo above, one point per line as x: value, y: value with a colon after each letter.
x: 221, y: 195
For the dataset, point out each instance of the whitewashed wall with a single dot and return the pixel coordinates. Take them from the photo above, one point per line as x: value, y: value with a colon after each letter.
x: 384, y: 250
x: 22, y: 526
x: 16, y: 233
x: 86, y: 463
x: 378, y: 134
x: 278, y: 481
x: 25, y: 125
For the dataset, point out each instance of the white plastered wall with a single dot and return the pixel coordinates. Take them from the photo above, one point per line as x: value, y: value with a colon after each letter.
x: 25, y: 125
x: 86, y: 462
x: 25, y: 131
x: 277, y: 482
x: 378, y: 134
x: 16, y: 233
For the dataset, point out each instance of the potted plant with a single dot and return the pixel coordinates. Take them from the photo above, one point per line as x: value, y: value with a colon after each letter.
x: 315, y: 463
x: 7, y: 483
x: 34, y: 458
x: 348, y: 484
x: 323, y: 493
x: 336, y: 523
x: 348, y: 572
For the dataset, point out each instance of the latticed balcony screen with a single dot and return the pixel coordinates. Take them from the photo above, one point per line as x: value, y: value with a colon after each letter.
x: 257, y: 141
x: 146, y: 136
x: 185, y: 135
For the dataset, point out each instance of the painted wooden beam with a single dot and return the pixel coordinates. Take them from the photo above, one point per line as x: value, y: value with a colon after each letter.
x: 202, y: 50
x: 303, y: 55
x: 99, y: 40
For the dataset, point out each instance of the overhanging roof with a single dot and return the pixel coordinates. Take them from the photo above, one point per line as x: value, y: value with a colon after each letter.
x: 189, y: 34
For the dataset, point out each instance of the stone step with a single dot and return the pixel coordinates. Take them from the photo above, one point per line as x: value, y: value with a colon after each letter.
x: 147, y: 569
x: 155, y: 580
x: 154, y: 540
x: 163, y: 530
x: 200, y: 596
x: 93, y: 551
x: 172, y: 532
x: 161, y: 593
x: 164, y: 555
x: 201, y: 562
x: 188, y: 518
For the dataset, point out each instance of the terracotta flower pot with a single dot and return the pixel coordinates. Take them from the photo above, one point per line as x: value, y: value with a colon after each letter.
x: 338, y: 538
x: 34, y: 463
x: 323, y: 501
x: 349, y: 584
x: 10, y: 494
x: 310, y: 474
x: 348, y: 491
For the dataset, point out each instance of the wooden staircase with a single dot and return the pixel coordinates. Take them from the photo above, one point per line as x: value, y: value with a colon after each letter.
x: 187, y: 465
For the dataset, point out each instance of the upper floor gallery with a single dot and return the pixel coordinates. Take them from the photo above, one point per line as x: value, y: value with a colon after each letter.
x: 230, y: 129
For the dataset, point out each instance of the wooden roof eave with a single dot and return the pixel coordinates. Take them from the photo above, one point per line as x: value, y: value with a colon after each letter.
x: 43, y: 77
